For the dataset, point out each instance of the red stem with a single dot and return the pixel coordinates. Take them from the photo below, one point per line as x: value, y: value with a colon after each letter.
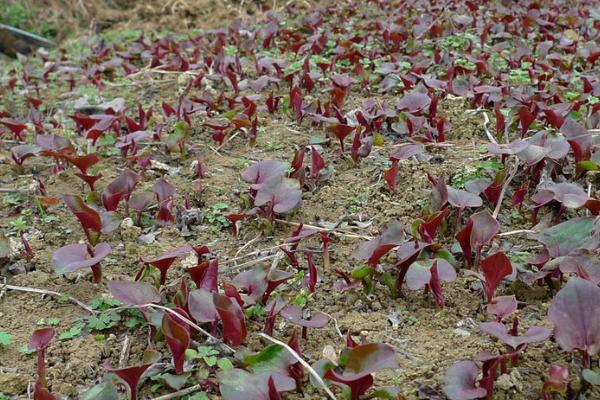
x: 41, y: 369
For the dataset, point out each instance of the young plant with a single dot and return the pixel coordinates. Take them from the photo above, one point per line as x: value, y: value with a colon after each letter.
x: 494, y: 269
x: 460, y: 382
x: 131, y: 375
x: 164, y: 261
x: 502, y: 307
x: 372, y: 250
x: 557, y: 381
x: 93, y: 223
x: 575, y: 313
x: 303, y: 318
x: 514, y: 343
x: 480, y: 229
x: 232, y: 317
x: 165, y: 193
x: 120, y: 188
x: 40, y: 340
x: 279, y: 196
x: 177, y: 335
x: 357, y: 365
x: 429, y: 275
x: 73, y: 257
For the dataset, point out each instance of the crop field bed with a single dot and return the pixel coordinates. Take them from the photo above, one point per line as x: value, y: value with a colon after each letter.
x: 312, y: 200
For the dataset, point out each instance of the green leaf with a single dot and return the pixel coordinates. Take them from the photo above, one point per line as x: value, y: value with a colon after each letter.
x: 588, y: 165
x: 362, y: 272
x: 103, y: 321
x: 204, y: 351
x: 53, y: 321
x: 24, y: 349
x: 224, y: 364
x: 5, y: 338
x: 387, y: 393
x: 211, y: 361
x: 591, y: 376
x: 576, y: 233
x: 176, y: 381
x: 102, y: 391
x: 191, y: 354
x: 71, y: 333
x: 104, y: 304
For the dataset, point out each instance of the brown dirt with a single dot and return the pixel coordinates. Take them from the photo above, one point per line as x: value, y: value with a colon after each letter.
x: 76, y: 17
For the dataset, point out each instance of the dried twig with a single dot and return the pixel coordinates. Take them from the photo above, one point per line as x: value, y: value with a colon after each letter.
x: 124, y: 352
x: 13, y: 190
x: 335, y: 231
x: 248, y: 244
x: 3, y: 289
x: 504, y: 187
x: 335, y: 323
x: 486, y: 121
x: 516, y: 232
x: 179, y: 393
x: 248, y: 264
x: 50, y: 293
x: 229, y: 139
x: 301, y: 361
x: 255, y: 252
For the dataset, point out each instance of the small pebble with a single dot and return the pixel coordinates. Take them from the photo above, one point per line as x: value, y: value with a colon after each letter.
x: 461, y: 332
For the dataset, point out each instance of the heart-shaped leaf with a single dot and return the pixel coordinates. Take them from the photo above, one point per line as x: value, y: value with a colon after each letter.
x: 575, y: 313
x: 460, y: 381
x: 134, y: 293
x: 73, y: 257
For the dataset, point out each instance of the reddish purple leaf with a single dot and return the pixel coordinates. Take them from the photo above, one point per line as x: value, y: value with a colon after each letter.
x: 391, y: 174
x: 495, y: 268
x: 238, y: 384
x: 502, y: 306
x: 134, y: 293
x: 341, y: 131
x: 163, y: 190
x: 165, y: 260
x: 177, y: 336
x: 462, y: 199
x: 206, y: 275
x: 413, y: 102
x: 298, y: 316
x: 360, y: 362
x: 41, y: 338
x: 74, y: 257
x: 131, y: 375
x: 282, y: 194
x: 558, y: 379
x: 120, y: 188
x: 407, y: 151
x: 317, y: 163
x: 83, y: 163
x: 263, y: 171
x: 480, y: 229
x: 201, y: 306
x: 460, y: 381
x: 232, y: 316
x: 534, y: 334
x: 575, y: 313
x: 310, y: 280
x: 88, y: 217
x: 374, y: 249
